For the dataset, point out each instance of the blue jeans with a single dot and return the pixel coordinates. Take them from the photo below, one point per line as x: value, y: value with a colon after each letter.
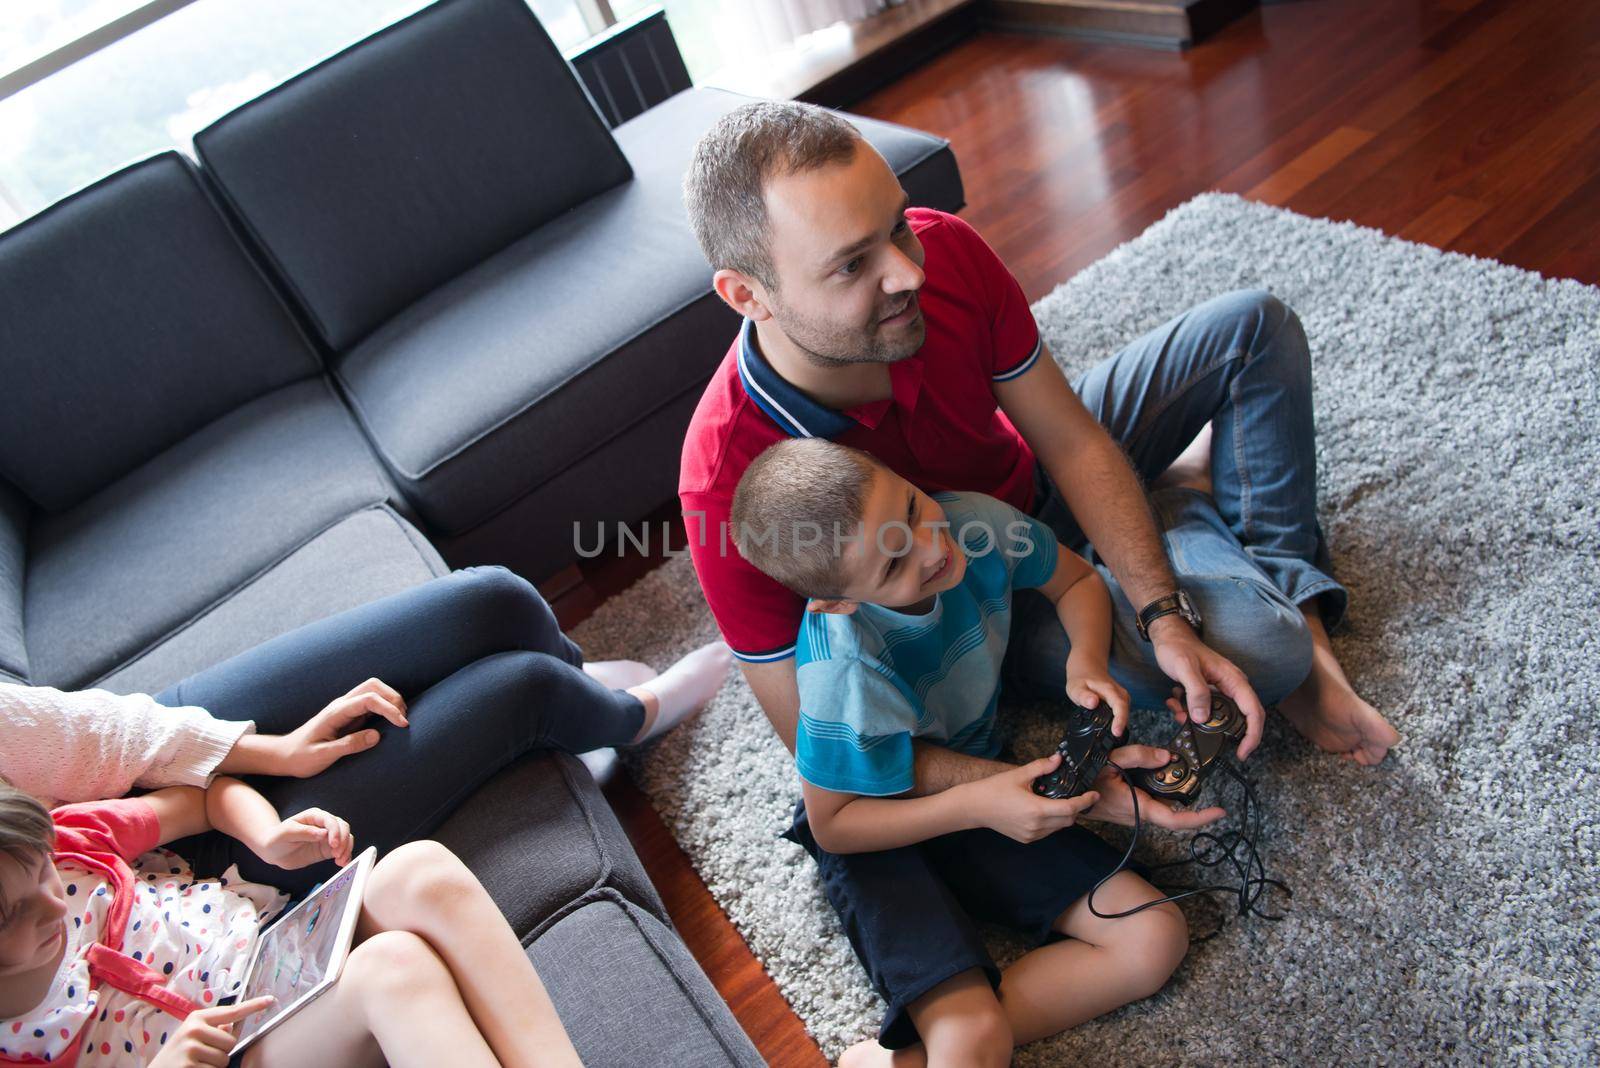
x: 487, y: 676
x: 1249, y: 555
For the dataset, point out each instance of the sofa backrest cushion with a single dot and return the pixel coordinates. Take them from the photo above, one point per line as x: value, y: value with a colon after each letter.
x: 389, y: 169
x: 130, y: 316
x: 13, y: 547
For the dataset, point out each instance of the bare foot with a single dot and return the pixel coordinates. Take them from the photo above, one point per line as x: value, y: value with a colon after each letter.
x: 869, y: 1054
x: 1192, y: 468
x: 1327, y: 710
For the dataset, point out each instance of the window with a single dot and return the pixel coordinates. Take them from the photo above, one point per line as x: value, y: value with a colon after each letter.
x: 725, y: 42
x: 32, y: 28
x: 706, y: 30
x: 156, y: 87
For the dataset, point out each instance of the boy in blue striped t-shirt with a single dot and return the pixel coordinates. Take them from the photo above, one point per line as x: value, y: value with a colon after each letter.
x: 903, y: 638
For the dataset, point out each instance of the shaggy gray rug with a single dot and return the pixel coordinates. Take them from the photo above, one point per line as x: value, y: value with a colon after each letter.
x: 1445, y: 904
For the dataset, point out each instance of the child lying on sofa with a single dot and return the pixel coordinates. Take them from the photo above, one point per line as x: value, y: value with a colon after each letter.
x: 111, y: 953
x: 905, y: 631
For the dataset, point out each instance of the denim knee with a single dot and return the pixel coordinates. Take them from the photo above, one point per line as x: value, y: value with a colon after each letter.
x: 1253, y: 625
x: 1270, y: 330
x: 1255, y: 311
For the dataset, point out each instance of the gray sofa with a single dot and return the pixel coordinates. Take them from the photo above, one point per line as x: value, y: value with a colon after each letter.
x: 417, y: 271
x: 182, y: 480
x: 367, y: 338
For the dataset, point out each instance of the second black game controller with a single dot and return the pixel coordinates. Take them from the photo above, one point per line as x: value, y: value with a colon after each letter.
x: 1083, y: 753
x: 1194, y: 750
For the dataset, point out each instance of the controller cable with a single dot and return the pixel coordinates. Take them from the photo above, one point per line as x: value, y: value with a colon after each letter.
x: 1209, y: 849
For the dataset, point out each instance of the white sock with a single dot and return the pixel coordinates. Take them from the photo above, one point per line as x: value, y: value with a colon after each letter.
x: 602, y: 764
x: 619, y: 674
x: 686, y: 686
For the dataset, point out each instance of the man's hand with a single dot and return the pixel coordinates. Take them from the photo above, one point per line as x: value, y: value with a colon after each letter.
x: 1189, y: 662
x: 205, y: 1037
x: 1006, y: 802
x: 1116, y: 799
x: 1090, y: 682
x: 306, y: 838
x: 328, y: 737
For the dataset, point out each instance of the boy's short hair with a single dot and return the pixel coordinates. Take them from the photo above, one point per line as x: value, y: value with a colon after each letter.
x: 724, y: 188
x: 25, y: 826
x: 795, y: 505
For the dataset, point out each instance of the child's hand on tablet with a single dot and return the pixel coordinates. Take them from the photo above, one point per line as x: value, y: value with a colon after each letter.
x: 206, y: 1035
x: 307, y: 837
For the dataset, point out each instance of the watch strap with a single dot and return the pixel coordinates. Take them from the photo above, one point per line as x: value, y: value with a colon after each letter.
x: 1171, y: 604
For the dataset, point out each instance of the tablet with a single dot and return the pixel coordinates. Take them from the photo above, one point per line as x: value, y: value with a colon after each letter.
x: 299, y: 956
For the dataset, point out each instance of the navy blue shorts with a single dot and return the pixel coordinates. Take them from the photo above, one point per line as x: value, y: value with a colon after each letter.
x: 912, y: 914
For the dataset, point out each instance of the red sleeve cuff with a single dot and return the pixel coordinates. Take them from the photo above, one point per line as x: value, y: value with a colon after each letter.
x: 1020, y: 368
x: 1014, y: 339
x: 758, y: 617
x: 126, y: 827
x: 765, y: 656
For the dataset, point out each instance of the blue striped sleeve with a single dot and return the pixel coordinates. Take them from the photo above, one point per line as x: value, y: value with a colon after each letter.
x: 854, y: 734
x: 1034, y: 567
x: 1027, y: 546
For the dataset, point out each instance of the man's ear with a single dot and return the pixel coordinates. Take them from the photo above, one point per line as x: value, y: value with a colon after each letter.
x: 742, y: 293
x: 835, y: 607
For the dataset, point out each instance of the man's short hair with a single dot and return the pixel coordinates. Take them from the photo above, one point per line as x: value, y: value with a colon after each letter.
x: 25, y: 826
x: 725, y: 187
x: 796, y: 505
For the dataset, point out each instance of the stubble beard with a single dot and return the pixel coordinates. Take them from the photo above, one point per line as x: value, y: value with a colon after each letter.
x: 826, y: 346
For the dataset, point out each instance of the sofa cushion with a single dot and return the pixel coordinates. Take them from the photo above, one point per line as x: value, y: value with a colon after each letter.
x: 493, y: 384
x: 117, y: 575
x: 576, y: 514
x: 361, y: 558
x: 13, y: 544
x: 130, y: 317
x: 629, y: 993
x: 412, y: 155
x: 540, y: 837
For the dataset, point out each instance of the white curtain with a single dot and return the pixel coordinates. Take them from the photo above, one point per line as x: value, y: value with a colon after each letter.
x: 780, y: 22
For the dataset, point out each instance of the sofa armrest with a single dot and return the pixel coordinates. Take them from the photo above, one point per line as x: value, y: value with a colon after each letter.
x: 632, y: 67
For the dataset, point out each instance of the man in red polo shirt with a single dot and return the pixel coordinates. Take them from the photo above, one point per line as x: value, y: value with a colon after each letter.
x: 899, y: 331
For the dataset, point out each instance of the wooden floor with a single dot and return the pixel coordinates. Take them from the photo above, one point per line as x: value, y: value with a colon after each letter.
x: 1472, y: 125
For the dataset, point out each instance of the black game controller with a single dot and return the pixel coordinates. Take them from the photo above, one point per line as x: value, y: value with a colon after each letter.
x: 1195, y: 748
x: 1083, y: 753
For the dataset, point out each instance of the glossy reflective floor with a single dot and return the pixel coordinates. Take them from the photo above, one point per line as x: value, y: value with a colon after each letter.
x: 1473, y: 125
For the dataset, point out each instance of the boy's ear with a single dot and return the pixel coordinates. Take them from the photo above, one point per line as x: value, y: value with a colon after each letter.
x: 836, y: 607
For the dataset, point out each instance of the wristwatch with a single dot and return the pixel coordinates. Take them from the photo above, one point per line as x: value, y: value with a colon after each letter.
x: 1165, y: 606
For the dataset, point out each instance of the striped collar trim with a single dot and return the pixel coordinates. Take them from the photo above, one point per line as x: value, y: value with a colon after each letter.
x: 795, y: 413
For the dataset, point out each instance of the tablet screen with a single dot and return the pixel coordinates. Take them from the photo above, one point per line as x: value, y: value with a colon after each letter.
x: 300, y: 950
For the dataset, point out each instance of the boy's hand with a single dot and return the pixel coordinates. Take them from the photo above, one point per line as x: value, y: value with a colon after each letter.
x: 1116, y: 800
x: 1006, y: 802
x: 205, y: 1037
x: 306, y: 838
x: 1090, y: 682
